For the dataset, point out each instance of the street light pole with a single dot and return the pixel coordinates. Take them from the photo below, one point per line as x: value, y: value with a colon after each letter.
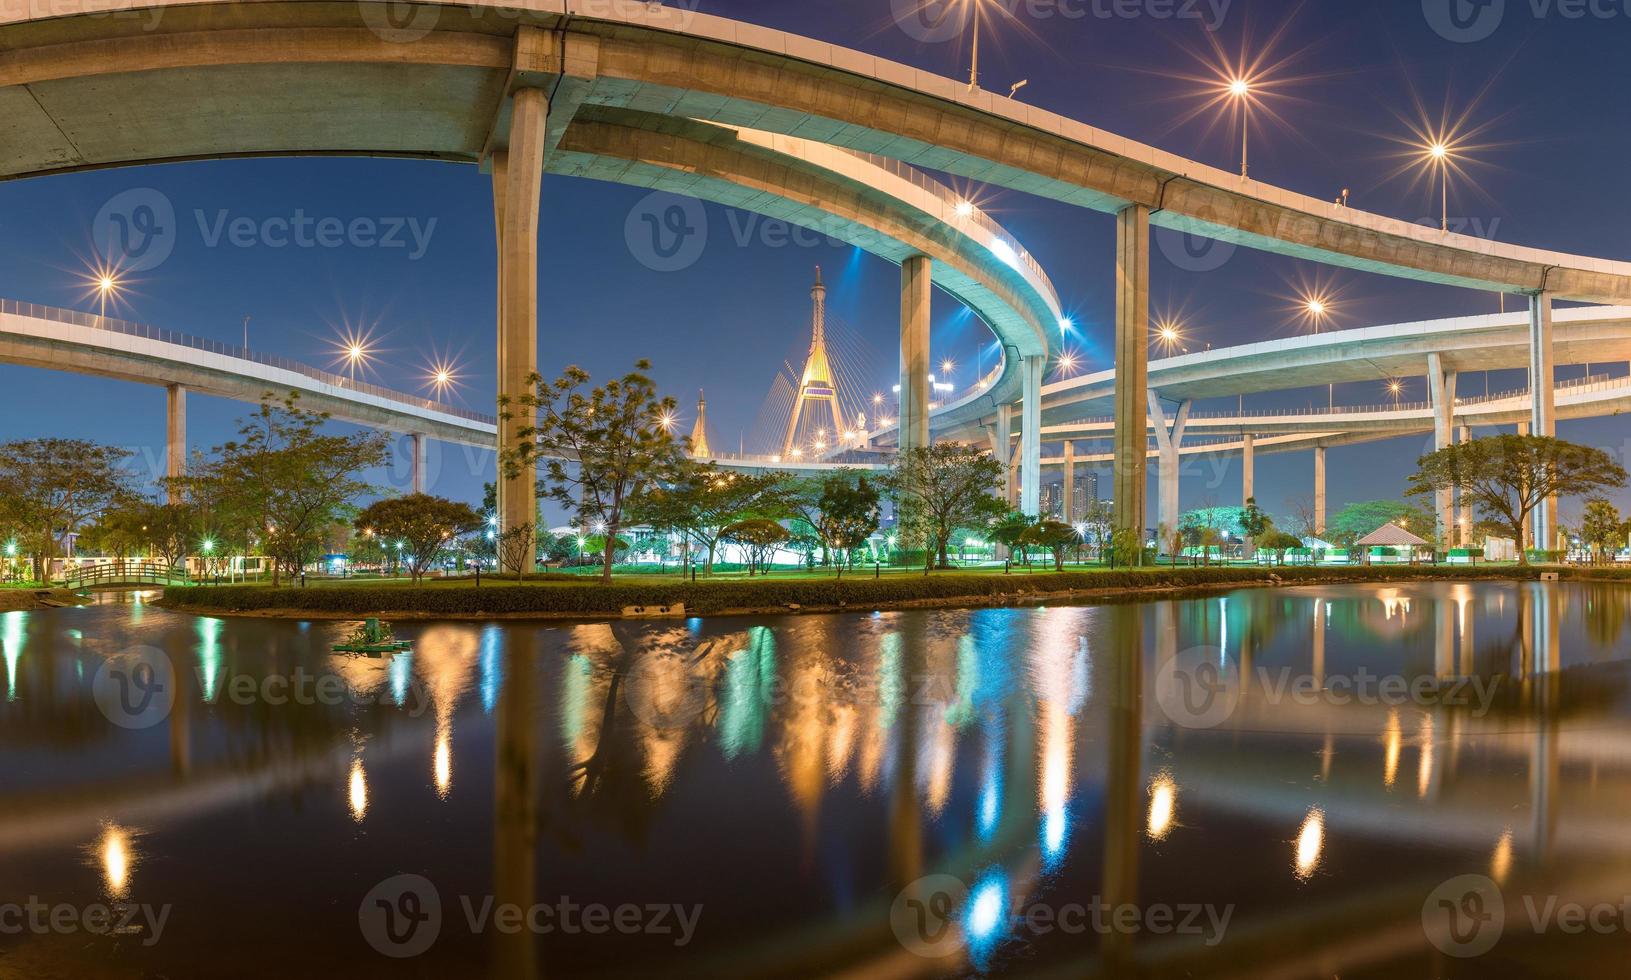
x: 974, y: 66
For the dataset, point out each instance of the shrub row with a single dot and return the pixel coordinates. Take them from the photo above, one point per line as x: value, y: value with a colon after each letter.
x: 591, y: 598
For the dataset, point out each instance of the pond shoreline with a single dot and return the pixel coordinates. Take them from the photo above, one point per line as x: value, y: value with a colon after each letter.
x: 997, y: 591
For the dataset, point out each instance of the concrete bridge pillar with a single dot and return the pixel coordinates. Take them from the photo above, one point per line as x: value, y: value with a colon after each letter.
x: 915, y: 282
x: 517, y: 184
x: 416, y: 446
x: 1248, y: 464
x: 1168, y: 441
x: 1542, y: 407
x: 175, y: 439
x: 1441, y: 388
x: 1067, y: 510
x: 1319, y: 489
x: 1132, y: 442
x: 1030, y: 439
x: 1002, y: 447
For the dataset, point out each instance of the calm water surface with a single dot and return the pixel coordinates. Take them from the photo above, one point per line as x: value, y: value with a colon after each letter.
x: 1284, y: 783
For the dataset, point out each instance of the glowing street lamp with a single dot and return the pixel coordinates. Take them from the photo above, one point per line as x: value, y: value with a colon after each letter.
x: 1438, y: 152
x: 1169, y: 335
x: 1240, y: 89
x: 1066, y: 363
x: 965, y: 209
x: 1394, y: 387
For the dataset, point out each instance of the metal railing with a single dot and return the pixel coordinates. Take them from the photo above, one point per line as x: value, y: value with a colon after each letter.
x: 159, y: 334
x: 125, y: 573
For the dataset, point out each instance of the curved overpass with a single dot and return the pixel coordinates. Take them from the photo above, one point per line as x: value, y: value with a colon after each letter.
x: 306, y: 76
x: 500, y: 83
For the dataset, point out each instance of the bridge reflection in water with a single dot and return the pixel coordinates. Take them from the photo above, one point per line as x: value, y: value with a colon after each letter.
x: 800, y: 779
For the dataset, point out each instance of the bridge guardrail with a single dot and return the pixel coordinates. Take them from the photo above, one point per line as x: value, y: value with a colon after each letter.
x: 125, y: 573
x: 146, y: 332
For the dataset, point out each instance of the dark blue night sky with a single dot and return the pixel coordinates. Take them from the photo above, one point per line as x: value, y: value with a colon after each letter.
x: 1543, y: 96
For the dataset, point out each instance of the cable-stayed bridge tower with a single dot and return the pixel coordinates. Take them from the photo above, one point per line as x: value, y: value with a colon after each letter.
x: 817, y: 384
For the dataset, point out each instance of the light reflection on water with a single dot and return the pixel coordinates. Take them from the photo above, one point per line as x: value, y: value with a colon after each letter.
x: 800, y: 771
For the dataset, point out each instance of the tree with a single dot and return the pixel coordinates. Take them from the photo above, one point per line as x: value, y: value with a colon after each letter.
x: 617, y: 436
x: 1254, y: 523
x: 421, y: 524
x: 1279, y: 542
x: 52, y: 486
x: 1601, y: 527
x: 286, y: 479
x: 760, y: 538
x: 1302, y: 522
x: 849, y: 514
x: 1055, y: 536
x: 1359, y: 519
x: 701, y: 500
x: 1098, y: 523
x: 943, y: 487
x: 1509, y: 476
x: 1009, y: 530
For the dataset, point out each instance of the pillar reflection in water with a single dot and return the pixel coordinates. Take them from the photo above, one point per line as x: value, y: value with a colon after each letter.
x: 1124, y: 783
x: 515, y: 801
x: 903, y: 657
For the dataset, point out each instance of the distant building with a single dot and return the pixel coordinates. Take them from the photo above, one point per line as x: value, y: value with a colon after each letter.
x: 1051, y: 498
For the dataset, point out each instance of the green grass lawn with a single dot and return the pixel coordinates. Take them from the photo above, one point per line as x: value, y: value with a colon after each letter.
x: 585, y: 596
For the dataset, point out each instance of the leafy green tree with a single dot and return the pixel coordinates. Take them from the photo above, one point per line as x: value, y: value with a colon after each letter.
x: 850, y: 514
x: 943, y: 487
x: 1009, y: 530
x: 1055, y: 537
x: 1508, y: 476
x: 701, y: 500
x: 286, y: 479
x: 1602, y: 528
x: 1254, y: 523
x: 1279, y: 542
x: 616, y: 435
x: 760, y: 538
x: 1359, y: 519
x: 51, y: 487
x: 422, y: 524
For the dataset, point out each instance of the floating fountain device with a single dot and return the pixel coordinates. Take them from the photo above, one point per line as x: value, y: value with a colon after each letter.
x: 373, y: 638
